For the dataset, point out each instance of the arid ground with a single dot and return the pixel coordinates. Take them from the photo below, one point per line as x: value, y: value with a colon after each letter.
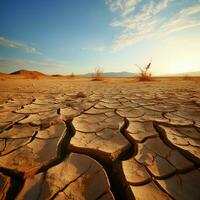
x: 78, y: 139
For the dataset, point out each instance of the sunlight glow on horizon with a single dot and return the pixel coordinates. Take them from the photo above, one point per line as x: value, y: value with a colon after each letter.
x: 177, y: 55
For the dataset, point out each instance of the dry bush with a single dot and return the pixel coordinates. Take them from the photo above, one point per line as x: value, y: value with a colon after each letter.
x: 186, y: 78
x: 72, y: 75
x: 144, y: 74
x: 98, y: 74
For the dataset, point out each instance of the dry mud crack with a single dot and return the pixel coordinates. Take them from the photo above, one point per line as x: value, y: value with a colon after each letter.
x: 99, y: 141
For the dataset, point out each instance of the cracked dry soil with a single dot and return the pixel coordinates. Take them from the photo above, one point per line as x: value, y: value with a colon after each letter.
x: 85, y: 140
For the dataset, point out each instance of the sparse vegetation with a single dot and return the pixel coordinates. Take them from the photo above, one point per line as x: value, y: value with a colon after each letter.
x: 72, y: 75
x: 145, y: 74
x: 186, y: 78
x: 98, y: 74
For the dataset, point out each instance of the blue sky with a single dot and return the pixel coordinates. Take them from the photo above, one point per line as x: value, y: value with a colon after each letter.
x: 68, y: 36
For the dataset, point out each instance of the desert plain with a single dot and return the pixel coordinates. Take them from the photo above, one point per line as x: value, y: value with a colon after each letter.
x: 78, y: 139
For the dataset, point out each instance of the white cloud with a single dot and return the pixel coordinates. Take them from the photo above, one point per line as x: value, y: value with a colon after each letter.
x: 124, y: 7
x: 141, y: 18
x: 140, y: 26
x: 191, y: 10
x: 182, y: 20
x: 154, y: 7
x: 146, y: 22
x: 29, y: 63
x: 13, y: 44
x: 178, y: 25
x: 97, y: 49
x: 131, y: 37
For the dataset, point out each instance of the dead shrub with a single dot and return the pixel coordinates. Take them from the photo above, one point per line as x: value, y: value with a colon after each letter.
x: 72, y: 75
x: 98, y: 74
x: 186, y: 78
x: 144, y: 74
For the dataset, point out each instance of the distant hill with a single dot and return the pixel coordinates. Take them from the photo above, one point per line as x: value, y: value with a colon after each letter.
x: 36, y: 74
x: 111, y: 74
x: 197, y: 73
x: 28, y: 74
x: 33, y: 74
x: 57, y: 75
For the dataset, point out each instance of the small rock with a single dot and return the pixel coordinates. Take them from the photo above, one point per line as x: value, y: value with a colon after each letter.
x: 80, y: 95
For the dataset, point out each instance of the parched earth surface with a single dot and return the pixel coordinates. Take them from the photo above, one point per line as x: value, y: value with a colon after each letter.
x: 86, y: 140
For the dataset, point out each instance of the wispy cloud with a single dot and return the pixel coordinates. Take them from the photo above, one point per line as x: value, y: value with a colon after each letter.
x: 29, y: 63
x: 124, y: 7
x: 97, y: 49
x: 144, y: 21
x: 182, y: 20
x: 18, y: 45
